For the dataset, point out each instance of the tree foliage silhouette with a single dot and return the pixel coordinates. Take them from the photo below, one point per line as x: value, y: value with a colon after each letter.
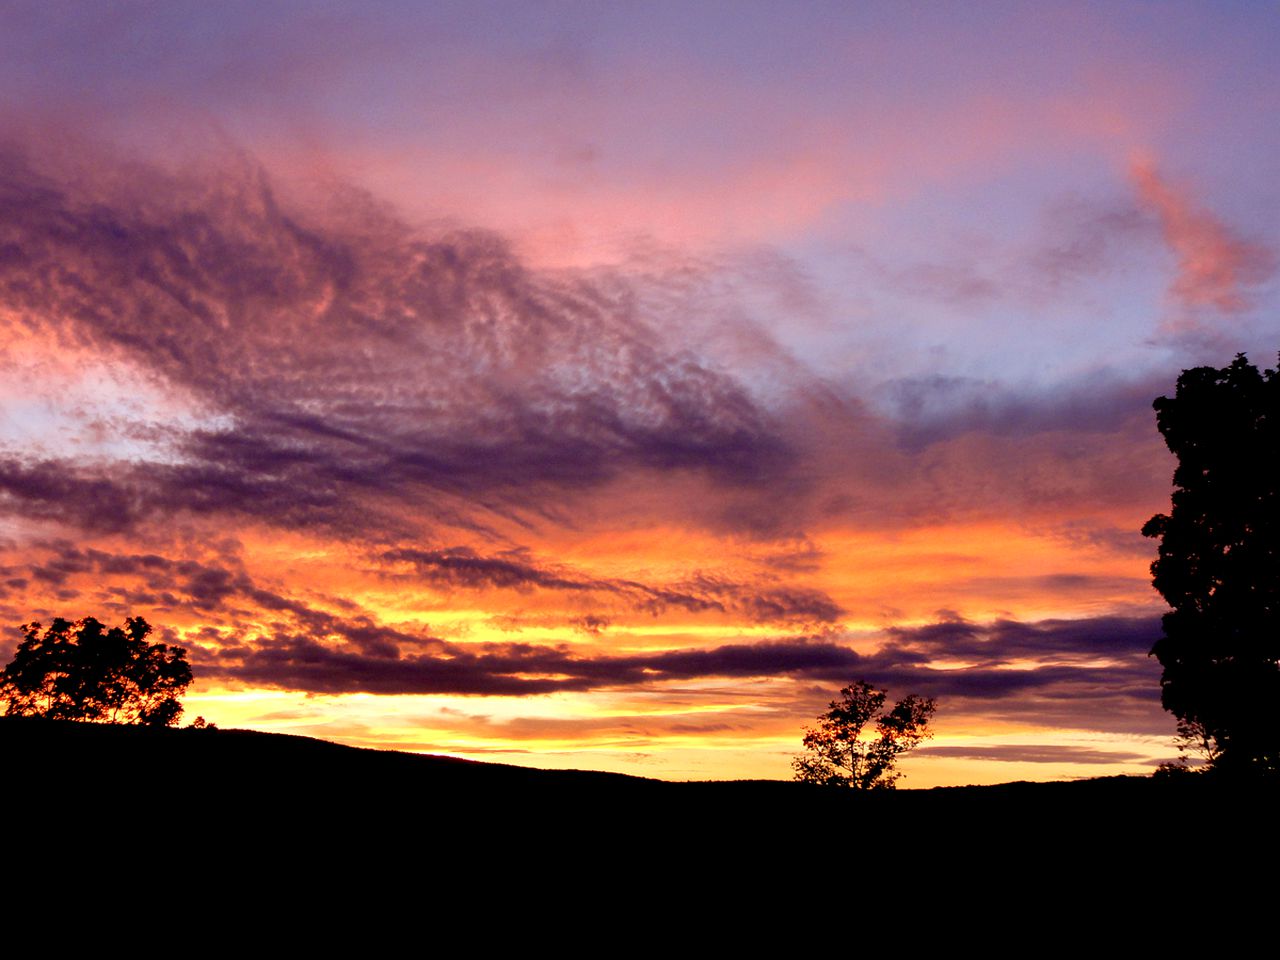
x: 837, y: 755
x: 83, y: 671
x: 1219, y: 566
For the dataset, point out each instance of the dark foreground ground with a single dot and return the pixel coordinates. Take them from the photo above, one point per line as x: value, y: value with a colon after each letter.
x: 246, y: 797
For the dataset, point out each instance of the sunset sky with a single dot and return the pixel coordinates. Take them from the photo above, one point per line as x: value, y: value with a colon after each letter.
x: 606, y: 385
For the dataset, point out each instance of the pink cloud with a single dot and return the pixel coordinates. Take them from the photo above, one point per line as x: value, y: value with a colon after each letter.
x: 780, y: 167
x: 1216, y: 266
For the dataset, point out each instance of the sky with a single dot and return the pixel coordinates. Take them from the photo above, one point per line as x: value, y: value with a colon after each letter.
x: 605, y: 386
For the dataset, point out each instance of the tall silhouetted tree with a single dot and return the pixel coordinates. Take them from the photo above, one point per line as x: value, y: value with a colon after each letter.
x: 83, y: 671
x: 837, y: 755
x: 1219, y: 566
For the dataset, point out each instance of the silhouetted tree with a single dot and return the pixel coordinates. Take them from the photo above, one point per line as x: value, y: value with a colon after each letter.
x: 83, y: 671
x: 1219, y: 566
x: 838, y: 756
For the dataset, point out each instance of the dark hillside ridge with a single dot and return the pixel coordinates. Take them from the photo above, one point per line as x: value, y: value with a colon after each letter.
x: 63, y: 749
x: 238, y: 784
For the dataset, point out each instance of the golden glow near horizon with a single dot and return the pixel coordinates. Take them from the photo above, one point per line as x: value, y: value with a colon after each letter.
x: 638, y: 601
x: 605, y: 599
x: 574, y: 733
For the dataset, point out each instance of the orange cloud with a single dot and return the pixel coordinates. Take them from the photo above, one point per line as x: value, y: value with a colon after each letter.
x: 1216, y: 267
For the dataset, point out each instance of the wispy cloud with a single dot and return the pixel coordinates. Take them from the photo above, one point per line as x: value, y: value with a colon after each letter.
x: 349, y: 357
x: 761, y: 602
x: 1216, y: 266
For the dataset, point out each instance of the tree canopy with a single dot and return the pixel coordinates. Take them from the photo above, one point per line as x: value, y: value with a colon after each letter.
x: 837, y: 755
x: 83, y: 671
x: 1219, y: 565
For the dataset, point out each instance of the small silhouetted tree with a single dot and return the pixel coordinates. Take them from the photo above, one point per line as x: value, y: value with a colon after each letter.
x: 1219, y: 566
x: 838, y: 755
x: 84, y: 671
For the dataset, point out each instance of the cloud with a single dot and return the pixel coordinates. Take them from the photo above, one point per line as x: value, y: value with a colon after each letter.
x: 298, y: 662
x: 1085, y: 240
x: 59, y: 490
x: 343, y: 373
x: 957, y: 284
x: 1088, y: 673
x: 1216, y: 267
x: 462, y: 567
x: 1092, y: 673
x: 939, y: 407
x: 1002, y: 641
x: 1033, y: 753
x: 343, y: 358
x: 241, y: 613
x: 1098, y: 660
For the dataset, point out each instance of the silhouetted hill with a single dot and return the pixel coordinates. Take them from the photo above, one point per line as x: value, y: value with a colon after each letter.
x: 64, y: 751
x: 247, y: 789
